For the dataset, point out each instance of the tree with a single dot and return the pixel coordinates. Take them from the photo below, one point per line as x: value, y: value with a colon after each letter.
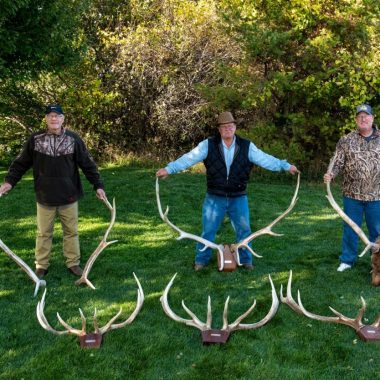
x: 308, y: 63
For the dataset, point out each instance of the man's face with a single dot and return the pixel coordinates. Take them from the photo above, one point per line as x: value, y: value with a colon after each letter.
x: 54, y: 121
x: 364, y: 121
x: 227, y: 131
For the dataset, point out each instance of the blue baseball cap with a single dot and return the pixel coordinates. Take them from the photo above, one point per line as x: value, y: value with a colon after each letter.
x: 54, y: 108
x: 364, y: 108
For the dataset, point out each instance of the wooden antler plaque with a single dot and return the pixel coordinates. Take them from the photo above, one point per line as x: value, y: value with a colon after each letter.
x: 228, y: 259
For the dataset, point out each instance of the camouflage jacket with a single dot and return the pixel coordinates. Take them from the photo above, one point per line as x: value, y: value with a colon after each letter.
x: 358, y: 160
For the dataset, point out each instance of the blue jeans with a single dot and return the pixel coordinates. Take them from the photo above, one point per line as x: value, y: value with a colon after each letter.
x: 355, y: 210
x: 214, y: 209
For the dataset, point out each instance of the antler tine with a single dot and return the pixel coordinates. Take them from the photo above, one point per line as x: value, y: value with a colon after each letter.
x: 108, y: 325
x: 377, y: 323
x: 197, y: 322
x: 42, y: 318
x: 72, y: 330
x: 140, y: 300
x: 103, y: 244
x: 225, y: 314
x: 272, y: 311
x: 268, y: 229
x: 289, y: 300
x: 209, y: 315
x: 345, y: 217
x: 24, y: 266
x: 170, y: 313
x: 356, y: 323
x: 183, y: 234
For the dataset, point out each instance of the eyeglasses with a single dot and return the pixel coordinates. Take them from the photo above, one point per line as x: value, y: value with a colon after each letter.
x: 54, y: 115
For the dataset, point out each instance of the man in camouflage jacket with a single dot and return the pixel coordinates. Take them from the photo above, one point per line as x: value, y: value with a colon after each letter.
x: 357, y: 158
x: 55, y: 154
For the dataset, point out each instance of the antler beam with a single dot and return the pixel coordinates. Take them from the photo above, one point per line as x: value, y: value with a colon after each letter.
x: 24, y: 266
x: 183, y: 234
x: 346, y: 218
x: 366, y: 332
x: 268, y: 229
x: 103, y: 244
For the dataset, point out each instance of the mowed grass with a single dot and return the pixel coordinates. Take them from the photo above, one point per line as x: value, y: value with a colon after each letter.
x: 155, y: 347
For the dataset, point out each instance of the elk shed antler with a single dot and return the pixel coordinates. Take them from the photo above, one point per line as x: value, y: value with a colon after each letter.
x: 92, y: 340
x: 268, y: 229
x: 375, y: 247
x: 365, y: 332
x: 183, y: 234
x: 218, y: 336
x: 231, y: 248
x: 103, y: 244
x: 24, y: 266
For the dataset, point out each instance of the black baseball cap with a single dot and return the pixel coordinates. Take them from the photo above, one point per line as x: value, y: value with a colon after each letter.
x: 54, y: 108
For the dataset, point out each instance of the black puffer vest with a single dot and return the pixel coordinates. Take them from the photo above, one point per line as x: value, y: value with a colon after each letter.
x: 218, y: 183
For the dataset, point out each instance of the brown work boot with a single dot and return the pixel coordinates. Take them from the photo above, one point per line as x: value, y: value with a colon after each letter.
x: 198, y: 267
x: 76, y: 269
x: 41, y: 272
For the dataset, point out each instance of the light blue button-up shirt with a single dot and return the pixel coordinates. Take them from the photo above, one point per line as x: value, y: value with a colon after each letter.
x: 199, y: 153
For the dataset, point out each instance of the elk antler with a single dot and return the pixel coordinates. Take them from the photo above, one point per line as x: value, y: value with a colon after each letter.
x: 236, y: 325
x: 24, y: 266
x: 268, y: 229
x: 183, y: 234
x: 103, y: 244
x: 98, y: 331
x: 346, y: 218
x: 367, y: 333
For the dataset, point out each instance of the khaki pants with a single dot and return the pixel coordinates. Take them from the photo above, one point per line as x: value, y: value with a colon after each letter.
x: 68, y: 215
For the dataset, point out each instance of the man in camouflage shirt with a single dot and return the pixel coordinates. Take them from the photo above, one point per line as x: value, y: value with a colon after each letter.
x: 357, y: 157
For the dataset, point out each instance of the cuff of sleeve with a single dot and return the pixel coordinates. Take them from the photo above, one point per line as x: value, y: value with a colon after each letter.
x: 285, y: 165
x: 10, y: 181
x: 98, y: 186
x: 169, y: 170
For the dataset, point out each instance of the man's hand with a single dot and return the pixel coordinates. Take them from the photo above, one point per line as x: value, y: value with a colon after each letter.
x: 328, y: 177
x: 4, y: 188
x: 100, y: 193
x: 162, y: 173
x: 293, y: 170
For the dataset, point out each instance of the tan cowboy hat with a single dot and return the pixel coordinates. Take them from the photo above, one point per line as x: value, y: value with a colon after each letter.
x: 225, y: 118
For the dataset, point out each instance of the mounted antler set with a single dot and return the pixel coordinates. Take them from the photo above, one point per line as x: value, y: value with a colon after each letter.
x: 84, y: 279
x: 218, y: 336
x: 92, y: 340
x: 228, y: 255
x: 375, y: 247
x: 365, y: 332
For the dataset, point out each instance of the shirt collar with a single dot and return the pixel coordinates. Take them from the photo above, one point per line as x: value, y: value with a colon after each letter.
x: 232, y: 145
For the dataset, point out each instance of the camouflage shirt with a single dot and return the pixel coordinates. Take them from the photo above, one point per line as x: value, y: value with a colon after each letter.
x: 358, y: 160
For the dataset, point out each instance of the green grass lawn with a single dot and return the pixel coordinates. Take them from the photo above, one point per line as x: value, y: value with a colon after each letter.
x: 154, y: 346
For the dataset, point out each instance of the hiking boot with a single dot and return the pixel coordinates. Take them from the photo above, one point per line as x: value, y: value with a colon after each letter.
x: 198, y: 267
x: 41, y: 272
x: 76, y: 269
x: 248, y: 267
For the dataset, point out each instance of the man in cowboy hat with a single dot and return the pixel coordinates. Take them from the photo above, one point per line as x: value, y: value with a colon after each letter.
x: 357, y: 157
x: 228, y: 159
x: 55, y: 155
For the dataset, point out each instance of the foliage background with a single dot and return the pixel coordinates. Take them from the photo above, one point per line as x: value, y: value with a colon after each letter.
x: 148, y: 77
